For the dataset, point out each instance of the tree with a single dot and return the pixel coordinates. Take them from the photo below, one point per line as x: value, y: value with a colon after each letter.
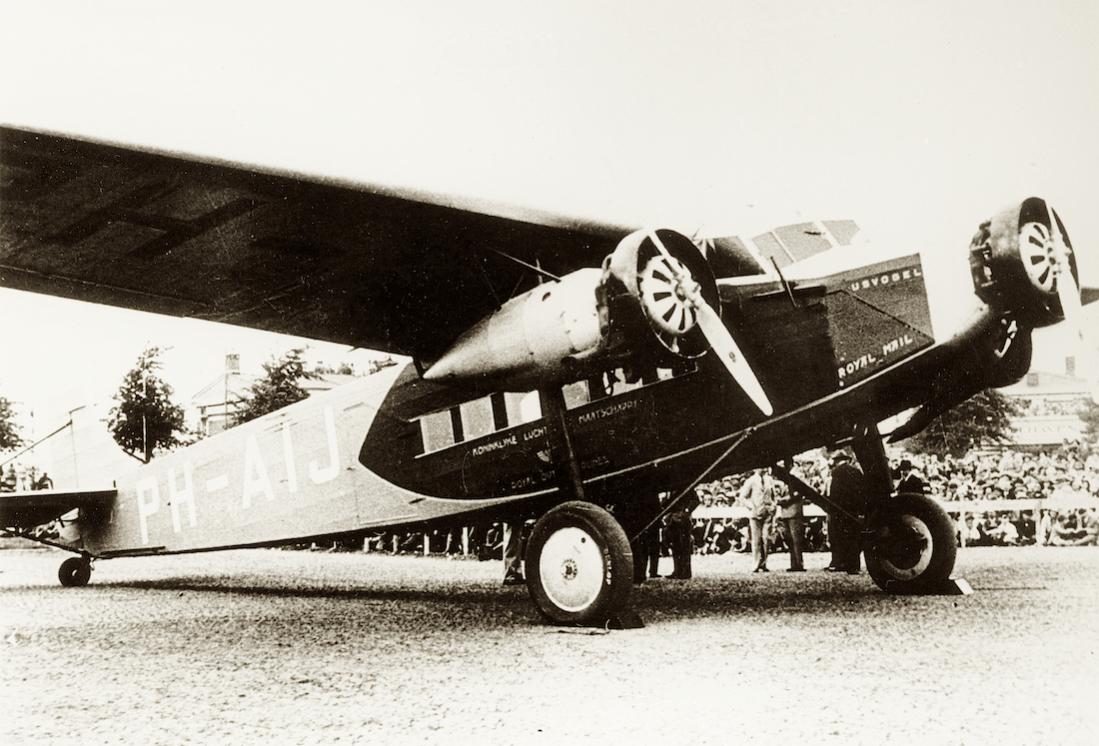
x: 1089, y: 414
x: 145, y: 419
x: 983, y: 419
x: 279, y: 387
x: 9, y: 430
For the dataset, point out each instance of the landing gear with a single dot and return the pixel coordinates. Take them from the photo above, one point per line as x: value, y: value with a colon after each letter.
x: 75, y: 572
x: 910, y: 545
x: 579, y: 565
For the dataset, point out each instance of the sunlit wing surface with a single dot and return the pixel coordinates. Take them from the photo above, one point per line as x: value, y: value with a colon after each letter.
x: 28, y: 509
x: 339, y: 262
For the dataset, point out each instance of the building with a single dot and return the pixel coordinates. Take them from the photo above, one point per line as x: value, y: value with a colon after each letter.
x: 1051, y: 404
x: 214, y: 407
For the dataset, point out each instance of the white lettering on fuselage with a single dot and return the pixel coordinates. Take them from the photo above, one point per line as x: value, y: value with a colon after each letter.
x: 148, y: 503
x: 604, y: 412
x: 288, y: 459
x: 182, y: 496
x: 185, y: 502
x: 859, y: 363
x: 886, y: 278
x: 894, y: 345
x: 494, y: 445
x: 255, y: 475
x: 321, y: 475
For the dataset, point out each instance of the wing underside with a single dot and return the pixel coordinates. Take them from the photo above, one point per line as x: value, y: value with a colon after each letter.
x: 339, y: 262
x: 29, y: 509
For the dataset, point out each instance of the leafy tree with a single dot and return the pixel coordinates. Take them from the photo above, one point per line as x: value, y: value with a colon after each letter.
x: 983, y: 419
x: 279, y: 387
x: 1089, y: 413
x: 145, y: 419
x: 9, y: 429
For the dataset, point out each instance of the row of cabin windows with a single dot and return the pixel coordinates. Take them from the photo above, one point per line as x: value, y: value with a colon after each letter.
x: 480, y: 417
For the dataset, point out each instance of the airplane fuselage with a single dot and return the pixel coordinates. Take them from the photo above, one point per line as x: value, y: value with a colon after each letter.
x: 396, y: 450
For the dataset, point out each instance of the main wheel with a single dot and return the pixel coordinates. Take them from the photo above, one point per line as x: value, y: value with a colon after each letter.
x: 911, y: 548
x: 74, y: 572
x: 579, y: 565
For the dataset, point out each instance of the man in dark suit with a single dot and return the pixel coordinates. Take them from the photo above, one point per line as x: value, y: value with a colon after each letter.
x: 849, y: 490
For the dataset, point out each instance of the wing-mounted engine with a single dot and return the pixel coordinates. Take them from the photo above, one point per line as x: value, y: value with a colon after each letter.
x: 653, y: 302
x: 1017, y: 260
x: 1024, y: 267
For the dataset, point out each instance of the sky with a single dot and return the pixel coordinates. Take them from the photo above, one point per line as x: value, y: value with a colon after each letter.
x: 918, y: 120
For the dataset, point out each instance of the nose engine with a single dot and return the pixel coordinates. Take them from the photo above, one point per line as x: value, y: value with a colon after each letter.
x: 648, y: 287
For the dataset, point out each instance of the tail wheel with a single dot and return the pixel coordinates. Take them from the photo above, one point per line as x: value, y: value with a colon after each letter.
x: 579, y: 565
x: 75, y: 572
x: 911, y: 548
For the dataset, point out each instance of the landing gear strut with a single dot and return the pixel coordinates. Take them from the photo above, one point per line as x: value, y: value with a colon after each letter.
x: 579, y: 564
x: 908, y: 540
x: 75, y: 572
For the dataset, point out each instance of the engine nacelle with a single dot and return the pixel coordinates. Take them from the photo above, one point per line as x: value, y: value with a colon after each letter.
x: 1012, y: 263
x: 631, y: 311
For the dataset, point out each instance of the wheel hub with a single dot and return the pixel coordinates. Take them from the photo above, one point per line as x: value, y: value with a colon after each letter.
x: 570, y: 569
x: 905, y: 547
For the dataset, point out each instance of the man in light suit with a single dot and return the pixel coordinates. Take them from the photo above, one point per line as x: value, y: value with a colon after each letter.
x: 758, y: 494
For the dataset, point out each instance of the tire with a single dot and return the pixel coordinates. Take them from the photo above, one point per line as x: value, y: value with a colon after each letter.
x: 579, y: 565
x: 74, y: 572
x: 911, y: 548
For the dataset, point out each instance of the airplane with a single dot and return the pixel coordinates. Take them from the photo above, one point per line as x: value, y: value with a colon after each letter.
x: 561, y: 370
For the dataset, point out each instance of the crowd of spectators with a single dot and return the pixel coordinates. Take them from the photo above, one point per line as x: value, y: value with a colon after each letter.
x: 1069, y: 473
x: 1068, y: 478
x: 19, y: 478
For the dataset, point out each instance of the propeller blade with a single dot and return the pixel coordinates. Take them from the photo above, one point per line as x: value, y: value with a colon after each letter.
x: 721, y: 341
x: 1073, y: 308
x: 725, y: 347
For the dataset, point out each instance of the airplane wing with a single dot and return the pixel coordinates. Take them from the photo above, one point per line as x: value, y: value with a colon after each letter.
x: 29, y: 509
x: 339, y: 262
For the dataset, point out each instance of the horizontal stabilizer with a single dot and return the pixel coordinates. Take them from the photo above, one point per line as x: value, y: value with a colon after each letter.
x: 29, y: 509
x: 1088, y: 294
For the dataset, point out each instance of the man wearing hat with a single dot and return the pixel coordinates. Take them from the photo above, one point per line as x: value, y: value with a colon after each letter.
x: 910, y: 481
x: 848, y: 489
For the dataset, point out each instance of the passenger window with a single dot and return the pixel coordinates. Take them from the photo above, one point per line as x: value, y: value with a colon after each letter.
x: 437, y: 431
x: 576, y: 394
x: 619, y: 385
x: 477, y: 419
x: 523, y: 408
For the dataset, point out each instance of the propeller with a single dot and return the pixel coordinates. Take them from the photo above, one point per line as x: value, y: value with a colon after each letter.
x: 688, y: 306
x: 1071, y: 307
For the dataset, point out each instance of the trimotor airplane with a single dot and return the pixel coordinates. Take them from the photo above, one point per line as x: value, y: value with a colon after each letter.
x: 561, y: 370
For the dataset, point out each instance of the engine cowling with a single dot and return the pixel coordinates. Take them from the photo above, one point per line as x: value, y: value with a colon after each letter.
x: 1013, y: 265
x: 631, y: 311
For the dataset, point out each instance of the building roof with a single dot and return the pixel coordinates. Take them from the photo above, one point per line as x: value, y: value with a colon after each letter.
x: 1044, y: 383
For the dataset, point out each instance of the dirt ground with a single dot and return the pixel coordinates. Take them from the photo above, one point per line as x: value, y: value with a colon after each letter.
x: 304, y: 647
